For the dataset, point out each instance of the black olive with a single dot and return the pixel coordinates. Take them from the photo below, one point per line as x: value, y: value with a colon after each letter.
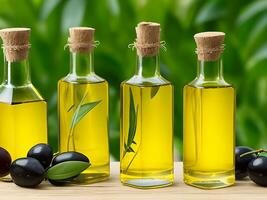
x: 69, y: 156
x: 27, y: 172
x: 257, y: 170
x: 5, y: 162
x: 241, y: 163
x: 43, y: 153
x: 63, y: 157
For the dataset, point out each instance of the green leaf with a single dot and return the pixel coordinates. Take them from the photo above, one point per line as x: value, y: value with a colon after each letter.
x: 70, y: 108
x: 130, y: 149
x: 209, y: 12
x: 125, y: 146
x: 114, y: 7
x: 252, y: 10
x: 154, y: 91
x: 73, y: 14
x: 259, y: 56
x: 263, y: 154
x: 132, y: 121
x: 185, y: 11
x: 250, y: 127
x: 132, y: 125
x: 47, y: 7
x: 81, y: 111
x: 260, y: 25
x: 258, y: 30
x: 66, y: 170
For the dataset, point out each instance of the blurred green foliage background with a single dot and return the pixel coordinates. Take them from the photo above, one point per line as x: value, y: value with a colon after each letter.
x: 245, y: 57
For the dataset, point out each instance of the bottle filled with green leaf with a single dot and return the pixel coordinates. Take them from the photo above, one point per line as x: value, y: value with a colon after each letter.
x: 23, y: 118
x: 146, y: 142
x: 83, y: 107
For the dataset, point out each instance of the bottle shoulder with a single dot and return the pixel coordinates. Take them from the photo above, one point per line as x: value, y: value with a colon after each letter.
x: 143, y: 81
x: 11, y: 94
x: 63, y: 82
x: 92, y: 78
x: 227, y: 87
x: 200, y: 83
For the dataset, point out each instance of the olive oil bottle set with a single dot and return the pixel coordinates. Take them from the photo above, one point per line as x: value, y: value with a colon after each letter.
x: 146, y: 142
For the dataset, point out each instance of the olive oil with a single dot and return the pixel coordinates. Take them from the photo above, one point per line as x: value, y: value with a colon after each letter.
x: 146, y: 140
x: 23, y: 119
x: 83, y: 108
x: 90, y: 135
x: 150, y: 163
x: 209, y: 136
x: 22, y: 125
x: 209, y: 119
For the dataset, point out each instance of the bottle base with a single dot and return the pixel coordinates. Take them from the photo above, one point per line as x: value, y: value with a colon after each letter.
x: 209, y: 180
x: 147, y: 183
x: 147, y: 180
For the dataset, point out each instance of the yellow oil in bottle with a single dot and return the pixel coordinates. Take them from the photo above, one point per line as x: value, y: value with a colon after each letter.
x: 22, y: 125
x: 90, y: 134
x: 209, y: 136
x: 146, y: 135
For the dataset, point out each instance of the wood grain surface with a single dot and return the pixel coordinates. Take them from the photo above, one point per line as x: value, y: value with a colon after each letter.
x: 113, y: 190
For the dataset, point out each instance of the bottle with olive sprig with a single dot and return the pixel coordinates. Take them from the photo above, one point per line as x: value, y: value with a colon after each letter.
x: 146, y: 142
x: 83, y: 107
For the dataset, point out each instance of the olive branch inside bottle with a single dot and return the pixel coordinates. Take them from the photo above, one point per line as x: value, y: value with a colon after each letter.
x: 83, y: 106
x: 146, y: 142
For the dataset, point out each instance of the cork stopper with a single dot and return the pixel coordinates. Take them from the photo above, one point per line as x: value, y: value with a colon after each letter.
x: 147, y: 38
x: 209, y: 45
x: 81, y: 39
x: 15, y: 43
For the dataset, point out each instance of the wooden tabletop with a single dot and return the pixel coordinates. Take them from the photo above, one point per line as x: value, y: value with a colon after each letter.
x: 113, y: 190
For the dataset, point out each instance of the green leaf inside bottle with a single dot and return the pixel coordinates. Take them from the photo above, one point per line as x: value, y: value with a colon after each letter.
x: 81, y: 110
x: 132, y: 126
x: 154, y: 91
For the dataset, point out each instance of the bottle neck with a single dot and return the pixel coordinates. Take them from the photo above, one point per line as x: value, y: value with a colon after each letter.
x: 210, y: 70
x: 147, y: 66
x: 81, y: 64
x: 16, y: 73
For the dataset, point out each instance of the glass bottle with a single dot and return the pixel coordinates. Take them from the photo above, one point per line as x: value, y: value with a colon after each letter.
x: 23, y: 119
x: 146, y: 142
x: 209, y: 119
x: 83, y: 108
